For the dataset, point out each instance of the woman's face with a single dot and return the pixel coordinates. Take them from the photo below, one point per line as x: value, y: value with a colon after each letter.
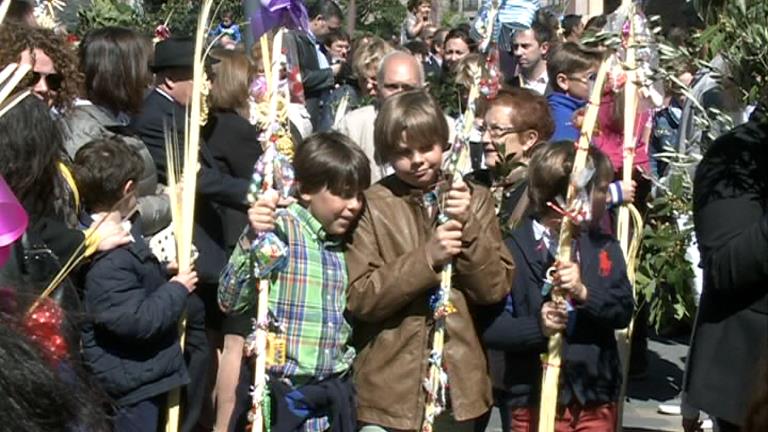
x: 455, y: 50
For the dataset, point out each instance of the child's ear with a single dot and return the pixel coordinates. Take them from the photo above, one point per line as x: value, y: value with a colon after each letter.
x: 304, y: 197
x: 128, y: 187
x: 562, y: 81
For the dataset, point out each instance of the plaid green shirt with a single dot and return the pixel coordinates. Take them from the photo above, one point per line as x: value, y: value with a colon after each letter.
x: 308, y: 299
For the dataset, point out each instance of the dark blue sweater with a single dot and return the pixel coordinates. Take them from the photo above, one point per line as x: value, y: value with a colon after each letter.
x: 562, y: 107
x: 591, y: 372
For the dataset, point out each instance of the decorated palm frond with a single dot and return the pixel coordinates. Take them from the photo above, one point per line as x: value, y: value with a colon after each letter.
x: 574, y: 211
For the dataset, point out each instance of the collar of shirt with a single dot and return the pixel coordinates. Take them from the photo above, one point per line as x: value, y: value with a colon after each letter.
x: 164, y: 94
x: 314, y: 228
x: 538, y: 84
x: 542, y: 233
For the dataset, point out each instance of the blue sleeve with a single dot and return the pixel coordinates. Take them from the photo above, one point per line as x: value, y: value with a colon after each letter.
x: 504, y: 331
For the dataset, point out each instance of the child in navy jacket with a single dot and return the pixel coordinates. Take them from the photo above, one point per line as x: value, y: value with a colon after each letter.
x: 130, y: 340
x: 599, y: 295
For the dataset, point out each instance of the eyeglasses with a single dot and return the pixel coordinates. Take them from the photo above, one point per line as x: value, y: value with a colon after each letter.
x: 399, y: 87
x: 496, y: 131
x: 53, y: 81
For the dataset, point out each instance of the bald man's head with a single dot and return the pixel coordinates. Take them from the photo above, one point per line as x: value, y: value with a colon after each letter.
x: 398, y: 71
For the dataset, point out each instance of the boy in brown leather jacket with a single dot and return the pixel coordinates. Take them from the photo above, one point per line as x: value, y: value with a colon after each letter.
x: 395, y: 258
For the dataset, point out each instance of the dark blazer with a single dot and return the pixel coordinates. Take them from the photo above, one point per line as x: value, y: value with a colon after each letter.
x: 234, y: 144
x: 130, y: 340
x: 301, y: 51
x: 729, y: 347
x: 213, y: 186
x: 591, y: 372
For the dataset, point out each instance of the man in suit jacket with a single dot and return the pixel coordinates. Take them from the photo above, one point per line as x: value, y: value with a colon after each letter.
x: 306, y: 49
x: 164, y: 107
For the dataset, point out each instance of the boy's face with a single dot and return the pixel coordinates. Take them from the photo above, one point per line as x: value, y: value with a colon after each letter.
x: 339, y: 49
x: 335, y: 213
x: 418, y: 167
x: 578, y: 84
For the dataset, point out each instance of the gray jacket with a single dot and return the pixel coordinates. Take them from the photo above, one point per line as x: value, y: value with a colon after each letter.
x: 87, y: 122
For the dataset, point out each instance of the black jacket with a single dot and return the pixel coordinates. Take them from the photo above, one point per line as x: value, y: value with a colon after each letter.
x: 317, y: 82
x: 591, y: 372
x: 130, y: 338
x: 729, y: 347
x: 234, y: 144
x: 213, y: 186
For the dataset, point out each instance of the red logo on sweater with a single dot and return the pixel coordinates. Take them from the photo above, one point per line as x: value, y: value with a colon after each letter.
x: 605, y: 263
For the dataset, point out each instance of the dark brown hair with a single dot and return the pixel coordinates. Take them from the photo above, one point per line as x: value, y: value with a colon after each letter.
x: 459, y: 33
x: 102, y: 168
x: 115, y: 63
x: 331, y: 160
x: 569, y: 58
x: 550, y: 171
x: 530, y: 110
x: 415, y: 114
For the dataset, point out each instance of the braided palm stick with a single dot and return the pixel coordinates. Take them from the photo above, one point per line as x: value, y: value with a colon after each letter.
x: 260, y: 397
x: 436, y: 380
x: 629, y: 220
x: 552, y: 360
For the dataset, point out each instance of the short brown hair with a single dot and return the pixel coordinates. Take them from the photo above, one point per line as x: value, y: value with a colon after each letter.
x: 550, y: 171
x: 232, y: 80
x: 414, y: 113
x: 531, y: 110
x: 331, y: 160
x: 102, y: 168
x: 569, y: 58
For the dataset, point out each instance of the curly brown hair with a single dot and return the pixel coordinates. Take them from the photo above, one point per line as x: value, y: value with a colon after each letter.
x: 15, y: 39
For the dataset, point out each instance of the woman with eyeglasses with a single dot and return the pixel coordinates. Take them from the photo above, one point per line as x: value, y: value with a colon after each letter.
x: 114, y: 61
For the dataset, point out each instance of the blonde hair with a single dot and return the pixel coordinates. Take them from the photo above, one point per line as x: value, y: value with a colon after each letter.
x: 412, y: 116
x: 232, y: 81
x: 368, y: 52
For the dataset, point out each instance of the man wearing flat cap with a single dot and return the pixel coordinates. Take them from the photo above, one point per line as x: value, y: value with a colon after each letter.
x: 166, y: 105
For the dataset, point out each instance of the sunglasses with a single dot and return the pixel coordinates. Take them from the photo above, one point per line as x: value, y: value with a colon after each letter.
x: 53, y: 81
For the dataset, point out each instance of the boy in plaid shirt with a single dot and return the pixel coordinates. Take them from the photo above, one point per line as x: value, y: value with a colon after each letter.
x: 307, y: 297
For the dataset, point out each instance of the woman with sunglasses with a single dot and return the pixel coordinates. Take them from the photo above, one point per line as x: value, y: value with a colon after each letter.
x: 54, y: 77
x: 114, y: 61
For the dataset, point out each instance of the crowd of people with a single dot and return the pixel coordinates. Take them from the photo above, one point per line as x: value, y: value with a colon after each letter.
x: 373, y: 222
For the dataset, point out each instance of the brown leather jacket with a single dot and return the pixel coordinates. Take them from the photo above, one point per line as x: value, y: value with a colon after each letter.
x: 391, y: 282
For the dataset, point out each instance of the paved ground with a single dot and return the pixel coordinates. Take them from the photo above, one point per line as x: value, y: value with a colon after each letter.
x: 662, y: 385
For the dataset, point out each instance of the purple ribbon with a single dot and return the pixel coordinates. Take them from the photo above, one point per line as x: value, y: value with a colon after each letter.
x: 291, y: 14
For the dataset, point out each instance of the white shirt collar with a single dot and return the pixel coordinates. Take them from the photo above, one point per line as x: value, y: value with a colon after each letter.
x: 540, y: 232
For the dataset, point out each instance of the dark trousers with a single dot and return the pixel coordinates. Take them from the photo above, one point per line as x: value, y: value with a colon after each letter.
x: 140, y: 417
x: 198, y: 359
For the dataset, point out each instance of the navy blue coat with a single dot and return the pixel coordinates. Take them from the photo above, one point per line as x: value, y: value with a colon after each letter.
x: 591, y: 372
x: 130, y: 339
